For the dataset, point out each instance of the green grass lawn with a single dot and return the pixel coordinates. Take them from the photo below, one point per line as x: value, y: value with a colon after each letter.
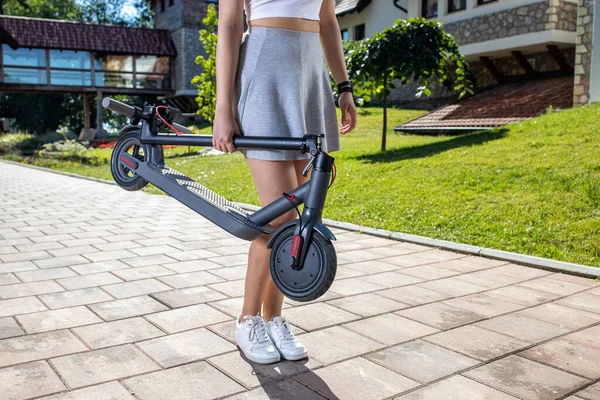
x: 532, y: 187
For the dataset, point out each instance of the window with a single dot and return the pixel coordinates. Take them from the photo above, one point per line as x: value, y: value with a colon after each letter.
x: 359, y: 32
x: 162, y: 5
x: 171, y: 2
x: 24, y: 66
x: 456, y: 5
x: 69, y: 59
x: 481, y: 2
x: 430, y: 8
x: 152, y: 72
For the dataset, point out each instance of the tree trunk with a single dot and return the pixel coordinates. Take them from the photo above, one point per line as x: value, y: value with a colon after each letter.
x: 384, y: 133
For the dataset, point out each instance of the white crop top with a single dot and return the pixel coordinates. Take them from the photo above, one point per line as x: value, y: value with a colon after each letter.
x: 307, y: 9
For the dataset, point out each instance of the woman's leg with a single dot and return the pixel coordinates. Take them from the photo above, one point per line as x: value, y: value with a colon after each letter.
x: 272, y: 179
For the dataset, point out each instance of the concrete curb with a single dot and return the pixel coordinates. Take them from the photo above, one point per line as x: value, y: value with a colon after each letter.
x: 530, y: 261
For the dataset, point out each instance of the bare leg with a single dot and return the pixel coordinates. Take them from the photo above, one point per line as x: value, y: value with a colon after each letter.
x: 271, y: 179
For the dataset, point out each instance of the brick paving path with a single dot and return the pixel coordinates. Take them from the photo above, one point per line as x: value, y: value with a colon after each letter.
x: 106, y: 294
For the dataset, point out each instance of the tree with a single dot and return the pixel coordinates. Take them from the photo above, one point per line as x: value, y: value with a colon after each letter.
x: 111, y: 12
x: 54, y: 9
x: 411, y: 50
x: 206, y: 82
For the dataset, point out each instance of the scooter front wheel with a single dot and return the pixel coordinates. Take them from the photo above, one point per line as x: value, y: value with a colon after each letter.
x: 317, y: 273
x: 129, y: 144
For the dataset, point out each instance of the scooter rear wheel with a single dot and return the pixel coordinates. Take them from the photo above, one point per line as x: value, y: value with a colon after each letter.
x: 317, y: 274
x: 124, y: 177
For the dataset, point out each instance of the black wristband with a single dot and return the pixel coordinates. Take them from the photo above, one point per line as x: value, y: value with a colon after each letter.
x: 344, y: 87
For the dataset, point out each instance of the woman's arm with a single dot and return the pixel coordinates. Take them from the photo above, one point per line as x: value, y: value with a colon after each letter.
x: 331, y: 42
x: 231, y: 29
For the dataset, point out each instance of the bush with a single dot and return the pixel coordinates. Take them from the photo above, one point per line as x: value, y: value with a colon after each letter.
x: 13, y: 142
x: 69, y: 150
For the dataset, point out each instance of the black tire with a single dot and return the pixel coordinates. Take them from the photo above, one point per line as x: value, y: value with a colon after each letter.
x: 317, y: 275
x: 124, y: 177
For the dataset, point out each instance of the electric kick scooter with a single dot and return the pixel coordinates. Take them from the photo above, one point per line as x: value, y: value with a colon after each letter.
x: 303, y: 259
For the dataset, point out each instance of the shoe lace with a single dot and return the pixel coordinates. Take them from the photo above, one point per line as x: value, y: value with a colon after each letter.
x: 257, y: 333
x: 285, y: 331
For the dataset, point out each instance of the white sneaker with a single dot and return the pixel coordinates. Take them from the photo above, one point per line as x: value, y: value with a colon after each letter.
x: 251, y: 336
x: 286, y: 343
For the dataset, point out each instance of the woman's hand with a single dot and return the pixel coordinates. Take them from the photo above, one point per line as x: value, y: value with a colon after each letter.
x: 348, y: 109
x: 224, y: 127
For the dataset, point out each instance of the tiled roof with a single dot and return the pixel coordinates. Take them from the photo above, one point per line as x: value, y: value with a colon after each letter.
x: 55, y: 34
x: 347, y: 6
x: 5, y: 37
x: 502, y: 105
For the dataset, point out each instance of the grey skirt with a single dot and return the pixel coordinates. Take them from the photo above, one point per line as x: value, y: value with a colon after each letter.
x: 282, y: 89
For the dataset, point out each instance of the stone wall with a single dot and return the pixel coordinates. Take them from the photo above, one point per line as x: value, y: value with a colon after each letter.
x: 549, y: 14
x: 583, y: 55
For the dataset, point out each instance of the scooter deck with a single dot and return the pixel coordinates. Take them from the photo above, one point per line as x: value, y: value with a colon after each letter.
x: 205, y: 202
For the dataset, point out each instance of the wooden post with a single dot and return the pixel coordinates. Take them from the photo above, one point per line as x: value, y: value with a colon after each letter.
x: 520, y: 58
x: 87, y: 111
x: 99, y: 110
x: 489, y: 64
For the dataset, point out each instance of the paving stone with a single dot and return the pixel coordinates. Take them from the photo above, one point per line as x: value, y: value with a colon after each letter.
x: 555, y: 286
x: 561, y: 315
x: 191, y: 266
x: 590, y: 393
x: 227, y: 330
x: 318, y: 315
x: 457, y: 388
x: 186, y: 318
x: 17, y: 266
x: 100, y: 266
x: 24, y: 349
x: 9, y: 328
x: 29, y: 380
x: 391, y: 279
x: 454, y: 287
x: 490, y: 278
x: 574, y: 357
x: 582, y: 301
x: 390, y: 329
x: 352, y: 286
x: 407, y: 260
x: 127, y: 308
x: 103, y: 365
x: 133, y: 274
x: 357, y: 378
x: 136, y: 288
x: 440, y: 315
x: 199, y: 254
x: 196, y: 381
x: 152, y: 250
x: 470, y: 264
x: 421, y: 361
x: 57, y: 319
x: 8, y: 279
x: 105, y: 391
x: 69, y: 251
x: 575, y: 279
x: 190, y: 279
x: 84, y: 242
x: 29, y: 289
x: 117, y: 332
x: 367, y: 304
x: 526, y: 379
x: 107, y: 255
x: 147, y: 260
x: 287, y: 389
x: 329, y: 295
x: 477, y: 343
x: 429, y: 272
x: 26, y: 248
x: 485, y: 305
x: 355, y: 256
x: 370, y: 267
x: 230, y: 288
x: 29, y: 256
x: 231, y: 273
x: 413, y: 295
x: 47, y: 274
x: 21, y: 305
x: 121, y: 245
x: 57, y: 262
x: 185, y: 347
x: 189, y: 296
x: 88, y: 281
x: 252, y: 375
x: 336, y: 343
x: 522, y: 327
x: 343, y: 272
x: 74, y: 298
x: 522, y: 295
x: 520, y: 271
x: 587, y: 336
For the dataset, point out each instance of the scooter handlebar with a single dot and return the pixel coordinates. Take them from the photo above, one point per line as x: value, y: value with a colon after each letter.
x: 118, y: 107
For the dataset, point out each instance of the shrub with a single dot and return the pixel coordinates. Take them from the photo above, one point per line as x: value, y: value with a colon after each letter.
x: 13, y: 142
x: 69, y: 150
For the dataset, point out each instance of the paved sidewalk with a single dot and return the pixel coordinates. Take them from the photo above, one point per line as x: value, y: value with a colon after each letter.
x: 106, y: 294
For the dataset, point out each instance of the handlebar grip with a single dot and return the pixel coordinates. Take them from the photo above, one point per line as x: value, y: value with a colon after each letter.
x: 182, y: 128
x: 119, y: 107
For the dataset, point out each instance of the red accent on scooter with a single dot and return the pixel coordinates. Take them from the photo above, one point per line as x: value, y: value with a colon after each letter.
x: 292, y: 196
x: 295, y: 246
x: 126, y: 161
